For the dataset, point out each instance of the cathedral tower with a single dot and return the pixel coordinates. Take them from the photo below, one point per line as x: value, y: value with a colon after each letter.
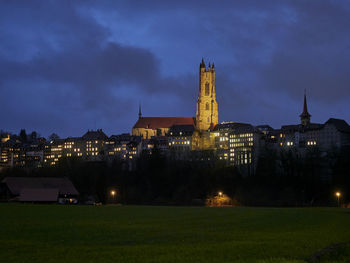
x: 207, y: 107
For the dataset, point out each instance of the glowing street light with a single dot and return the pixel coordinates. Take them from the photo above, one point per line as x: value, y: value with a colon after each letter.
x: 220, y: 194
x: 338, y: 194
x: 113, y: 193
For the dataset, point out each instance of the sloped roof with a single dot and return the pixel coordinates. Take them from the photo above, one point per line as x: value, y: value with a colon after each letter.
x: 17, y: 184
x: 163, y: 122
x: 95, y: 135
x: 38, y: 195
x: 265, y: 127
x: 340, y: 124
x: 231, y: 126
x: 301, y: 128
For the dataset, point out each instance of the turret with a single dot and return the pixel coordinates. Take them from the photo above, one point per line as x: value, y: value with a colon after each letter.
x: 202, y: 66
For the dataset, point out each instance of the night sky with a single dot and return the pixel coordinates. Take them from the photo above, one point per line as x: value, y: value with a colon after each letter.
x: 70, y: 66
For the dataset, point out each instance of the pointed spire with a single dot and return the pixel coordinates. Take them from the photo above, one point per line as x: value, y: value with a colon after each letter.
x: 305, y: 105
x: 140, y: 114
x: 212, y: 66
x: 305, y: 116
x: 202, y: 65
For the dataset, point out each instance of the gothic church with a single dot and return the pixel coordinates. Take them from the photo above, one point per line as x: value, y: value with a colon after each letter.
x: 206, y: 118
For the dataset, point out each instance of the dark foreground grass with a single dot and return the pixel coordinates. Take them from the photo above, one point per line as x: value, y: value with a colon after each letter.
x: 50, y: 233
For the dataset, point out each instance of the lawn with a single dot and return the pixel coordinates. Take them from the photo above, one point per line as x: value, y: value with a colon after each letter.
x: 52, y: 233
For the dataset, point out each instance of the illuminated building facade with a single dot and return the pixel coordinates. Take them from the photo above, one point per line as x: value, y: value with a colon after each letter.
x: 180, y: 137
x: 334, y: 133
x: 123, y: 146
x: 206, y: 119
x: 238, y: 144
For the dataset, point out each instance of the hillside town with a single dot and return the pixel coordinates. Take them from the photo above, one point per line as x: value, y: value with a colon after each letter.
x: 235, y: 144
x: 181, y: 160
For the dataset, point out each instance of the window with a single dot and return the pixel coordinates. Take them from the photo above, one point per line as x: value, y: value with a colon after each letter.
x: 206, y: 89
x: 207, y: 106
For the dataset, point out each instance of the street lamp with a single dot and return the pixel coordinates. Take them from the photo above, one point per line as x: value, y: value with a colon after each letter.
x: 220, y: 194
x: 113, y: 193
x: 338, y: 196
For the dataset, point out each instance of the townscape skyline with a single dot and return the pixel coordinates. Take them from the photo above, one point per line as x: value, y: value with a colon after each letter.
x: 67, y: 67
x: 140, y: 111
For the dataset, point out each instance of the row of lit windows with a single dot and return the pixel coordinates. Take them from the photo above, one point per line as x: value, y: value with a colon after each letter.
x: 249, y: 139
x: 186, y: 142
x: 56, y: 149
x: 241, y: 144
x: 90, y: 142
x: 92, y: 149
x: 311, y: 143
x: 241, y: 135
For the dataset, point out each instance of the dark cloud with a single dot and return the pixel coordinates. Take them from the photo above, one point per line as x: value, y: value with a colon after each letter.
x: 314, y: 54
x: 67, y: 66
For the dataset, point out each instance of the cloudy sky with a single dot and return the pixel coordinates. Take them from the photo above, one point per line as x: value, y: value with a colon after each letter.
x: 70, y: 66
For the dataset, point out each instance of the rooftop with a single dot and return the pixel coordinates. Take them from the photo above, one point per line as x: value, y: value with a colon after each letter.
x: 163, y: 122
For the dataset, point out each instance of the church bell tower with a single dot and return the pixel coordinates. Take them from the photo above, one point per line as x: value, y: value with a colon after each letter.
x: 207, y: 106
x: 305, y: 115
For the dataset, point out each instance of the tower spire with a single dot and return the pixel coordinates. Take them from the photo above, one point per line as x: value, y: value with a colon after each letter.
x: 305, y: 116
x: 140, y: 114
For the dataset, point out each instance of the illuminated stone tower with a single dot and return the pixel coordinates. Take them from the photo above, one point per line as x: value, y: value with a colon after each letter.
x: 207, y: 106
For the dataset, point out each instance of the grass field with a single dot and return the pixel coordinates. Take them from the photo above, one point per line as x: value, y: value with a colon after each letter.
x: 51, y: 233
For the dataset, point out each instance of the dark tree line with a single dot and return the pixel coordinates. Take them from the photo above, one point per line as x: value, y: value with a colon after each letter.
x: 286, y: 178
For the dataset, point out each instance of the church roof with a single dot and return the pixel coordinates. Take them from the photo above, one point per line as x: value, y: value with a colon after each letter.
x: 163, y: 122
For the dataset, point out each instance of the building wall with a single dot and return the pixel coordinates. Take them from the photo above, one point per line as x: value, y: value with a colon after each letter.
x: 148, y: 133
